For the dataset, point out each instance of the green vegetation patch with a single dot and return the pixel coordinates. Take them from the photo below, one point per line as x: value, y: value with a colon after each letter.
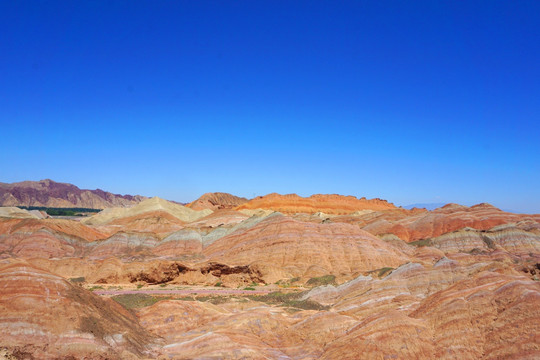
x: 61, y: 211
x: 322, y: 280
x: 385, y: 270
x: 289, y: 300
x: 135, y: 301
x: 287, y: 283
x: 420, y: 243
x: 381, y: 272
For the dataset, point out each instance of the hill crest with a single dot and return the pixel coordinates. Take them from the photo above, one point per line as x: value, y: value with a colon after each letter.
x: 49, y: 193
x: 326, y: 203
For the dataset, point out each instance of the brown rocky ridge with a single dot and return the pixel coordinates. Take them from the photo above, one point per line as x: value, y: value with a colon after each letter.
x: 48, y: 193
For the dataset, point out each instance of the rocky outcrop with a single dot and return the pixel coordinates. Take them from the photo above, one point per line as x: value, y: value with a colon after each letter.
x: 329, y: 204
x: 217, y: 201
x: 49, y: 193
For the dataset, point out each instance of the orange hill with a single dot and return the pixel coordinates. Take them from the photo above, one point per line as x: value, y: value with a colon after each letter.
x: 217, y: 200
x: 329, y: 204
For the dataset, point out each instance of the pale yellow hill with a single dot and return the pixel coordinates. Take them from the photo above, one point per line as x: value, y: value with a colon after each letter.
x: 154, y: 204
x: 15, y: 212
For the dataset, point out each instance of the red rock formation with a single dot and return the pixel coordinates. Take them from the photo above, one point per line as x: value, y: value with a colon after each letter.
x: 412, y: 314
x: 490, y: 316
x: 216, y: 201
x: 509, y: 238
x: 68, y: 227
x: 49, y: 193
x: 329, y: 204
x: 427, y: 224
x: 42, y: 316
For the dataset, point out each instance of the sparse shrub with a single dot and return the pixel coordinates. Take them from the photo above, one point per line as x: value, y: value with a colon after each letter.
x: 135, y: 301
x: 322, y: 280
x: 77, y: 279
x: 380, y: 272
x: 384, y: 271
x: 140, y: 286
x: 420, y: 243
x: 219, y: 284
x: 289, y: 300
x: 249, y: 288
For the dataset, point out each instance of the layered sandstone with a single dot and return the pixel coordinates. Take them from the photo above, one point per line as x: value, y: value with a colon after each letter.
x: 16, y: 213
x: 158, y: 222
x: 216, y: 201
x: 293, y: 248
x: 330, y: 204
x: 511, y: 239
x: 44, y: 316
x: 428, y: 224
x: 469, y: 290
x: 154, y: 204
x: 67, y: 227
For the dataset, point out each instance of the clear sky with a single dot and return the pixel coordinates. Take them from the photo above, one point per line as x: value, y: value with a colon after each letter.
x: 410, y: 101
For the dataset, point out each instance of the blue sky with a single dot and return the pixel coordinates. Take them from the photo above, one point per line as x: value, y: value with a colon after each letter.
x: 408, y: 101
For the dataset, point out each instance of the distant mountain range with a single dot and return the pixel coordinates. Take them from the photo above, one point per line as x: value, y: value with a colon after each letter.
x: 49, y: 193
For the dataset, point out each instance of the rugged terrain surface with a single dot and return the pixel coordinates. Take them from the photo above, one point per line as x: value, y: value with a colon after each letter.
x: 329, y: 204
x: 326, y: 277
x: 49, y: 193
